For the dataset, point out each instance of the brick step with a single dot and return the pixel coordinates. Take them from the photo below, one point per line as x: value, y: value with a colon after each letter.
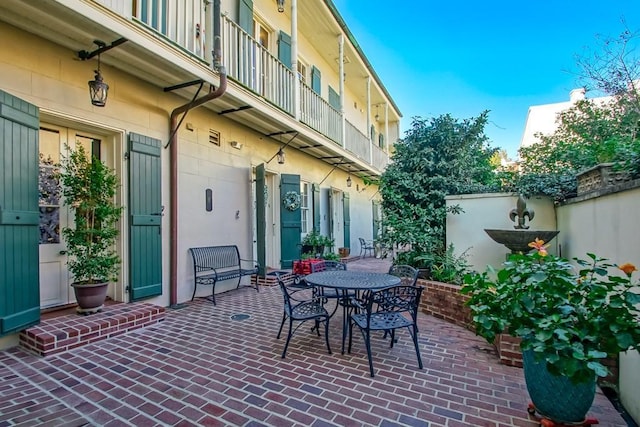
x: 58, y: 334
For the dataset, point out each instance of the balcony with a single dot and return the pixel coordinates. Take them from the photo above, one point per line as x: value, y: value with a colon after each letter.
x: 170, y: 44
x: 254, y: 67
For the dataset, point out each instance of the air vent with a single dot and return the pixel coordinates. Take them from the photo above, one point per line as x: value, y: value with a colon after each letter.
x: 214, y: 137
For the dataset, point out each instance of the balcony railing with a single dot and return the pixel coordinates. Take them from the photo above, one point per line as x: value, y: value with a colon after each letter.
x: 357, y: 142
x: 380, y: 158
x: 317, y: 113
x: 250, y: 64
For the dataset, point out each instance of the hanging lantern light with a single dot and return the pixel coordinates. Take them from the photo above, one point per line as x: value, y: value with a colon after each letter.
x: 98, y: 89
x: 281, y: 156
x: 349, y: 181
x: 280, y: 5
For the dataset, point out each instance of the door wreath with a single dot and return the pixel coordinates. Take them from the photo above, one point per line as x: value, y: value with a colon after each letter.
x: 291, y: 200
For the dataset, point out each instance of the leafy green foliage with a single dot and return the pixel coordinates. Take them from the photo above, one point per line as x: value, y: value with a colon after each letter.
x: 438, y: 157
x: 447, y: 267
x: 591, y: 132
x: 314, y: 245
x: 89, y: 188
x: 571, y: 319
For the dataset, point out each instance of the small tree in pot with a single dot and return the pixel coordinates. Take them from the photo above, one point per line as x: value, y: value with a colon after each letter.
x: 89, y: 189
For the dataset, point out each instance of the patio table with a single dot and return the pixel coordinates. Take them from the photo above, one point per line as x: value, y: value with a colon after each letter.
x: 348, y: 280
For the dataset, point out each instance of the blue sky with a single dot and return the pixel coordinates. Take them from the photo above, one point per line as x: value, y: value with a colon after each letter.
x: 464, y: 57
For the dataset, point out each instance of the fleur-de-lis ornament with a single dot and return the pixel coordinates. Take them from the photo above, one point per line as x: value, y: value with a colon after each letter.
x: 520, y: 213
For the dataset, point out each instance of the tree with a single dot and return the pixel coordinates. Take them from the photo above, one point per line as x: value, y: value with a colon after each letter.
x: 596, y: 131
x: 438, y: 157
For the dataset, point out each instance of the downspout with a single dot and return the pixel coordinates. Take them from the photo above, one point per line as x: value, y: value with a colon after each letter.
x: 173, y: 142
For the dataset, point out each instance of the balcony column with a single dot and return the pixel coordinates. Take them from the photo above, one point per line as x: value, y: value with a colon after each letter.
x: 386, y: 128
x: 341, y: 80
x: 294, y: 58
x: 368, y: 130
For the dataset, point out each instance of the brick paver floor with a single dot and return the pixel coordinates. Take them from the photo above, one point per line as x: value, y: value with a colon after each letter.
x: 199, y: 367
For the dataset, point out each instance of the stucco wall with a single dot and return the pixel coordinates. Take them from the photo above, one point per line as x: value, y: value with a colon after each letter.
x: 491, y: 211
x: 50, y: 77
x: 607, y: 226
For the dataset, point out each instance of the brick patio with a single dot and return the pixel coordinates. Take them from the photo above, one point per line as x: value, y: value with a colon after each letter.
x: 199, y: 367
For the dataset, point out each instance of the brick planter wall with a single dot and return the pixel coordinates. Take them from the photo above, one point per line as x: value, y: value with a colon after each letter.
x: 444, y: 301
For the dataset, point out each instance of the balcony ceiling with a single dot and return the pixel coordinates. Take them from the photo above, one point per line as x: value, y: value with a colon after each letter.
x: 72, y: 30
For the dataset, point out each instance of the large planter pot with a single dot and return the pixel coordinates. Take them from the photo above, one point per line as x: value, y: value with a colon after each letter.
x: 90, y: 297
x: 556, y: 397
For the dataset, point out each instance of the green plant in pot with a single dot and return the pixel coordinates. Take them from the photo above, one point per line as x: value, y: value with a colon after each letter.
x: 314, y: 244
x: 89, y: 189
x: 568, y: 318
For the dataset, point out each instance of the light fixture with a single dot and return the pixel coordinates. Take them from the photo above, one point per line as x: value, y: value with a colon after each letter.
x: 349, y: 181
x: 98, y: 89
x: 377, y: 115
x: 280, y: 156
x: 280, y: 5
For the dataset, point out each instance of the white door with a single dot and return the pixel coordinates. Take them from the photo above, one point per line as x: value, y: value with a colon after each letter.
x: 337, y: 219
x: 272, y: 253
x: 54, y: 276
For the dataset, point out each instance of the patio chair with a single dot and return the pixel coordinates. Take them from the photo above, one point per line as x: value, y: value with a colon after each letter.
x: 407, y: 274
x: 397, y: 308
x: 366, y: 246
x: 328, y: 265
x: 302, y: 310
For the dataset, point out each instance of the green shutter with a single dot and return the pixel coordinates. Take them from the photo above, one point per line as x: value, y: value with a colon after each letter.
x: 315, y: 190
x: 334, y: 99
x: 375, y: 206
x: 290, y: 223
x: 245, y: 15
x: 347, y: 220
x: 316, y: 80
x: 19, y: 215
x: 145, y: 217
x: 284, y: 49
x: 261, y: 215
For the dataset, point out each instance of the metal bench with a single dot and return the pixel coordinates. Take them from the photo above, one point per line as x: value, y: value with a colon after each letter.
x: 212, y: 264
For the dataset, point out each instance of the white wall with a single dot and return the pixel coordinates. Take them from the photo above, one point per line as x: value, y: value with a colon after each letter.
x: 491, y: 211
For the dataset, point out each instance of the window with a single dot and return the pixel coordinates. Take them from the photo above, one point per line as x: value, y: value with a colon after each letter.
x: 262, y: 32
x: 302, y: 71
x: 306, y: 216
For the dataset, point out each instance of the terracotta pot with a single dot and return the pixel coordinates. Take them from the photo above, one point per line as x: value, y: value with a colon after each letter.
x: 344, y: 252
x: 90, y: 297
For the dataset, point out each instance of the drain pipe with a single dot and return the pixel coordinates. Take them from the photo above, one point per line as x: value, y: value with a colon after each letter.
x: 173, y: 142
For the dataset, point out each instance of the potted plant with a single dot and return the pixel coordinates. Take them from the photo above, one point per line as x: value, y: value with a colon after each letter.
x: 89, y: 188
x: 568, y: 319
x: 315, y: 243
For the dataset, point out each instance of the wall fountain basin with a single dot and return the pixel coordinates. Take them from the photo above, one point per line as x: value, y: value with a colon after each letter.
x: 518, y: 240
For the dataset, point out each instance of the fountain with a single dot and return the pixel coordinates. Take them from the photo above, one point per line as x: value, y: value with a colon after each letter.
x: 518, y: 240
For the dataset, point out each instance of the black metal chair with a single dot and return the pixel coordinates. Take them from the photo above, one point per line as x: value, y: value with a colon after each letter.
x: 366, y: 246
x: 302, y: 310
x: 407, y: 274
x: 387, y: 310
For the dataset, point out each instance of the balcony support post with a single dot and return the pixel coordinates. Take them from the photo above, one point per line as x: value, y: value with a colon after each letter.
x: 341, y: 80
x: 294, y: 59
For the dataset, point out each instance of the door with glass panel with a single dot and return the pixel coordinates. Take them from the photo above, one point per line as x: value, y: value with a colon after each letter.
x: 54, y: 216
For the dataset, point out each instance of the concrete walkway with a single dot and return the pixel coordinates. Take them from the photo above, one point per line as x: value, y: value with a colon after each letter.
x: 201, y: 368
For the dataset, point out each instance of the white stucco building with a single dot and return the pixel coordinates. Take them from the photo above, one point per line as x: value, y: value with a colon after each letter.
x: 202, y: 97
